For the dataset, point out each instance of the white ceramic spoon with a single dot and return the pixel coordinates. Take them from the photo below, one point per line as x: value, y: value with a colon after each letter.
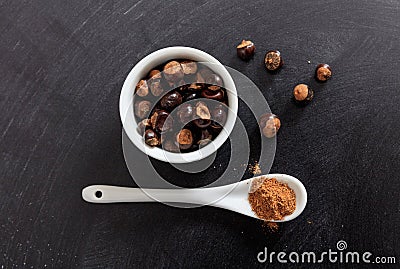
x: 233, y: 197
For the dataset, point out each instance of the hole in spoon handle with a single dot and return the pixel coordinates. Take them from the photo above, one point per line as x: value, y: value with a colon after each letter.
x: 98, y: 194
x: 113, y: 194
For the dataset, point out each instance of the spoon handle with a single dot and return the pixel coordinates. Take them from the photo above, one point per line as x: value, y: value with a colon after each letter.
x: 114, y: 194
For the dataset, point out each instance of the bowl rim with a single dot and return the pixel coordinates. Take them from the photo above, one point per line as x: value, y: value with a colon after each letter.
x: 141, y: 69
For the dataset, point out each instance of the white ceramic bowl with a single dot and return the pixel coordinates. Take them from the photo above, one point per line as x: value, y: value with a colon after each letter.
x: 141, y: 69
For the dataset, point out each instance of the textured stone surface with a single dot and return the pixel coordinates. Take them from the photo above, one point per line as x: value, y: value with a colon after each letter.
x: 62, y: 64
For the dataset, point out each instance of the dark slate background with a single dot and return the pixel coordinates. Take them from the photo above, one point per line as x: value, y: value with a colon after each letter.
x: 62, y: 65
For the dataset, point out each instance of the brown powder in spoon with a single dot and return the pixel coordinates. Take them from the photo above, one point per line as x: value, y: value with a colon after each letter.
x: 271, y: 199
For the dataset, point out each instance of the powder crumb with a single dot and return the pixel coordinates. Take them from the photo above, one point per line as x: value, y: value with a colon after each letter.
x: 308, y: 62
x: 271, y: 226
x: 271, y: 199
x: 255, y: 169
x: 309, y: 221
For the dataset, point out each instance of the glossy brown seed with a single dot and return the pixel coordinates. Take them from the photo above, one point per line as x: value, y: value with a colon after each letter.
x: 142, y: 125
x: 203, y: 143
x: 161, y: 122
x: 215, y: 95
x: 196, y: 86
x: 189, y: 67
x: 205, y: 137
x: 173, y: 71
x: 151, y: 138
x: 219, y: 114
x: 202, y: 111
x: 214, y: 87
x: 273, y: 60
x: 215, y: 126
x: 269, y: 124
x: 156, y: 87
x: 179, y: 85
x: 205, y: 134
x: 142, y: 88
x: 185, y: 113
x: 183, y: 87
x: 245, y: 50
x: 214, y: 79
x: 171, y: 100
x: 184, y: 138
x: 302, y: 93
x: 155, y: 74
x: 202, y: 123
x: 323, y: 72
x: 191, y: 96
x: 142, y: 108
x: 203, y: 75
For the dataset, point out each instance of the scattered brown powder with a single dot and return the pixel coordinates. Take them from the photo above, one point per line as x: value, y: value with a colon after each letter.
x: 255, y: 169
x: 271, y: 199
x: 271, y: 226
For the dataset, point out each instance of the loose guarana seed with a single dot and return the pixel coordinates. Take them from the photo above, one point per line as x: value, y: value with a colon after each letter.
x: 269, y: 124
x: 219, y: 114
x: 189, y: 67
x: 142, y: 108
x: 184, y: 139
x: 173, y: 72
x: 202, y: 111
x: 303, y: 94
x: 151, y: 138
x: 156, y: 87
x: 201, y: 123
x: 191, y: 96
x: 202, y: 117
x: 273, y: 60
x: 185, y: 113
x: 142, y: 125
x: 205, y: 75
x: 171, y: 100
x: 142, y: 88
x: 205, y: 137
x: 214, y: 79
x: 155, y: 74
x: 245, y: 50
x: 323, y: 72
x: 213, y: 94
x: 161, y: 121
